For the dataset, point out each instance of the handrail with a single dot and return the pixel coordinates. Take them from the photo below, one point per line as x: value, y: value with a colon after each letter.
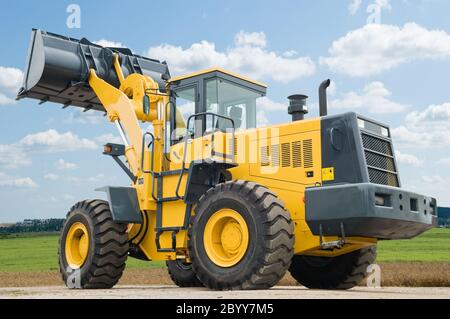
x: 151, y: 171
x: 214, y: 115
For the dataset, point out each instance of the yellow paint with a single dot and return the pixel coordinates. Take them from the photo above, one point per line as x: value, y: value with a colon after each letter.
x: 191, y: 75
x: 226, y: 237
x: 77, y: 245
x: 328, y: 174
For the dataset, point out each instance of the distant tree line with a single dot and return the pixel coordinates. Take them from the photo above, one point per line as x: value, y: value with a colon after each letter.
x: 34, y: 226
x: 56, y: 224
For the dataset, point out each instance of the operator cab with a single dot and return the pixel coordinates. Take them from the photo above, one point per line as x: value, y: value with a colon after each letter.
x: 213, y: 91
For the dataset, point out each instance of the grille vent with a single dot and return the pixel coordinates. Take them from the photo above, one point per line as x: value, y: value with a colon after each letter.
x: 265, y: 156
x: 285, y: 155
x: 380, y: 160
x: 231, y: 145
x: 307, y: 153
x: 296, y: 154
x: 275, y: 155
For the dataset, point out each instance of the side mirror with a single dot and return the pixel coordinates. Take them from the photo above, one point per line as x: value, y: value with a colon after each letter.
x: 146, y: 104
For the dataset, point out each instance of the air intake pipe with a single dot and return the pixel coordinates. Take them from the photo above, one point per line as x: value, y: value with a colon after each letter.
x: 297, y: 107
x: 323, y: 104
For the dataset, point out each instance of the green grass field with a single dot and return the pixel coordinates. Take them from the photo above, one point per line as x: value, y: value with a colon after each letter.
x: 432, y: 246
x: 39, y: 252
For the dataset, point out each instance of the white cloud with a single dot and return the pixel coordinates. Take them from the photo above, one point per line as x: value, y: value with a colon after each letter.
x: 267, y: 104
x: 10, y: 82
x: 4, y: 100
x: 248, y: 56
x: 434, y: 179
x: 74, y: 179
x: 436, y: 115
x: 77, y: 179
x: 261, y: 119
x: 383, y: 4
x: 375, y: 48
x: 257, y: 39
x: 63, y: 165
x: 429, y: 128
x: 444, y: 161
x: 89, y: 117
x: 375, y: 98
x: 290, y: 54
x: 51, y: 177
x: 15, y: 182
x: 407, y: 159
x: 51, y: 141
x: 13, y: 156
x: 108, y: 138
x: 418, y: 138
x: 10, y: 79
x: 109, y: 44
x: 354, y: 6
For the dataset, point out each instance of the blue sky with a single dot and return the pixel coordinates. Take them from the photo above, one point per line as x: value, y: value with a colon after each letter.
x: 394, y: 69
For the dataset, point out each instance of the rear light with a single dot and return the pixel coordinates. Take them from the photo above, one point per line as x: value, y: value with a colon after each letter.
x: 107, y: 149
x: 383, y: 200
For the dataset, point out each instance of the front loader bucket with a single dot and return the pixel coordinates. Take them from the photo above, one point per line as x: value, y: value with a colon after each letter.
x: 58, y: 67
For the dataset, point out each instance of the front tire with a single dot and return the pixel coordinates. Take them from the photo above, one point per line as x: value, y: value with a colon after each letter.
x: 340, y: 273
x: 92, y: 248
x: 241, y: 237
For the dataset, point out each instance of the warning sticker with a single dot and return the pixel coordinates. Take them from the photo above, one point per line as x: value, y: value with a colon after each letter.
x: 327, y: 174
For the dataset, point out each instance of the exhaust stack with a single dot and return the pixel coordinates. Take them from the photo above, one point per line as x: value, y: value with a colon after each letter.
x: 323, y: 104
x: 297, y: 107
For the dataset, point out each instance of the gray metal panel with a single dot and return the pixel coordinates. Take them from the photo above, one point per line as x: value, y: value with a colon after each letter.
x: 124, y: 204
x: 354, y: 206
x: 342, y: 149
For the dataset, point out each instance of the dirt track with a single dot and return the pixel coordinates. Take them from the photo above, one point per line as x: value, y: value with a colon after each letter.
x: 172, y: 292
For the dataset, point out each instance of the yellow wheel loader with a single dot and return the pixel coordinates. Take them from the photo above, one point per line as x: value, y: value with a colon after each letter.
x: 227, y: 204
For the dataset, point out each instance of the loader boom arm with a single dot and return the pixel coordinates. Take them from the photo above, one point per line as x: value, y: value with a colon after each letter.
x: 120, y: 110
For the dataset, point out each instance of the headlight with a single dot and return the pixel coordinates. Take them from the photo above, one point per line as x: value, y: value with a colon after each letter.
x: 374, y: 128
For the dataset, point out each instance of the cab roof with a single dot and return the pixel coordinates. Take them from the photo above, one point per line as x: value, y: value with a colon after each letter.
x: 220, y: 70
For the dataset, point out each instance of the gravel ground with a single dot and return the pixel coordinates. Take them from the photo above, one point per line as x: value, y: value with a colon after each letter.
x: 172, y: 292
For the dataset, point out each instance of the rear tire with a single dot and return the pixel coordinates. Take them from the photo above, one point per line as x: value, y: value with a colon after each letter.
x: 268, y: 237
x: 182, y: 274
x: 340, y: 273
x: 100, y: 265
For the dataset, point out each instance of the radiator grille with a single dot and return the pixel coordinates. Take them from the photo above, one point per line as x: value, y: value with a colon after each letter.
x: 380, y: 160
x: 378, y: 145
x: 383, y: 178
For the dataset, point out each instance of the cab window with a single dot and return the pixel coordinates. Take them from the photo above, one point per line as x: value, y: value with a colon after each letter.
x: 233, y: 101
x: 184, y: 108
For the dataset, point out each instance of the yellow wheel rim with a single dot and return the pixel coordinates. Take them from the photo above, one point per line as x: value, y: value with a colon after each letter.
x: 77, y: 245
x: 226, y: 237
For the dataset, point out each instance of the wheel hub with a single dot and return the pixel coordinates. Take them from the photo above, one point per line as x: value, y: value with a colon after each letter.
x: 77, y: 245
x: 226, y: 238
